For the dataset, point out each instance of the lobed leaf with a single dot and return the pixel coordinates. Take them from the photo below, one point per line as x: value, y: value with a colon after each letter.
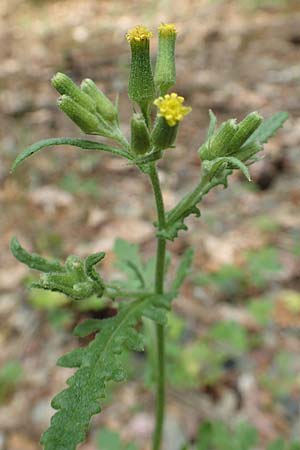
x: 188, y: 205
x: 97, y: 364
x: 172, y: 228
x: 268, y: 128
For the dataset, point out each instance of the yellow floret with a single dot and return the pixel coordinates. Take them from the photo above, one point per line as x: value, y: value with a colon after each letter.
x: 138, y: 34
x: 171, y: 108
x: 167, y: 29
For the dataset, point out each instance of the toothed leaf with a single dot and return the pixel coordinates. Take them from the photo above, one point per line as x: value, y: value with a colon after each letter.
x: 268, y: 128
x: 87, y: 327
x: 98, y: 363
x: 172, y: 229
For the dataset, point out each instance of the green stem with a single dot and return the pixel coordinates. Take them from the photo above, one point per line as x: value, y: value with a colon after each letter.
x: 160, y: 332
x: 113, y: 291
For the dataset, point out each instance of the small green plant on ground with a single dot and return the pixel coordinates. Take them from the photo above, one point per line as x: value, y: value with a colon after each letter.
x: 110, y: 440
x: 146, y: 295
x: 230, y: 281
x: 10, y: 375
x: 216, y: 436
x: 211, y: 436
x: 202, y: 361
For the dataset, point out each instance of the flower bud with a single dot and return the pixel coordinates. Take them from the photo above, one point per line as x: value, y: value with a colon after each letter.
x: 141, y: 87
x: 216, y: 146
x: 86, y: 121
x: 140, y: 139
x: 171, y: 112
x: 103, y: 105
x: 245, y: 129
x: 165, y: 71
x: 163, y: 136
x: 74, y: 265
x: 248, y: 150
x: 65, y: 86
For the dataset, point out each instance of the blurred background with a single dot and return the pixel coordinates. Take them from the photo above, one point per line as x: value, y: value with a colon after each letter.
x: 233, y: 350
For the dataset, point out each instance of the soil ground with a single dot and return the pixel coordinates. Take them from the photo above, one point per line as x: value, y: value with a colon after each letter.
x: 232, y: 57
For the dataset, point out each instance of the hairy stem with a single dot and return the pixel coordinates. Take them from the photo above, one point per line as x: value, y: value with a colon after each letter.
x: 160, y: 332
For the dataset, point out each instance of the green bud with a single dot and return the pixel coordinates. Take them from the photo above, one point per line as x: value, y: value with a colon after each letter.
x: 86, y: 121
x: 163, y: 135
x: 74, y: 264
x: 65, y: 86
x: 216, y: 146
x: 245, y: 129
x: 165, y: 71
x: 140, y: 139
x: 103, y: 105
x: 83, y: 289
x: 57, y: 282
x: 141, y: 87
x: 248, y: 150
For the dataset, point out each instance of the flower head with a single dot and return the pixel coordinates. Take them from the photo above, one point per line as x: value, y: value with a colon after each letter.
x: 138, y: 34
x: 171, y: 108
x: 167, y: 29
x: 141, y: 88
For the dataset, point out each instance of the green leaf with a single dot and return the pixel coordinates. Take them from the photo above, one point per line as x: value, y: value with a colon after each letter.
x: 129, y: 261
x: 232, y: 335
x: 97, y: 364
x: 263, y: 264
x: 11, y: 373
x: 183, y: 269
x: 212, y: 124
x: 80, y: 143
x: 233, y: 162
x: 261, y: 309
x: 33, y: 260
x: 279, y: 444
x: 173, y: 227
x: 87, y: 327
x: 268, y: 128
x: 245, y: 436
x: 150, y: 157
x: 188, y: 205
x: 205, y: 436
x: 294, y: 446
x: 47, y: 300
x: 216, y: 435
x: 132, y: 446
x: 108, y: 440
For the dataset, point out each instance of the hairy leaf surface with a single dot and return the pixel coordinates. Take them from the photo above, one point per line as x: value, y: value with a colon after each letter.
x: 268, y: 128
x: 80, y: 143
x: 97, y: 364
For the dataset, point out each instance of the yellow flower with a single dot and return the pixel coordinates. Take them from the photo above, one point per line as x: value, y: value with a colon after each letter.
x: 171, y: 108
x: 138, y: 34
x: 167, y: 29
